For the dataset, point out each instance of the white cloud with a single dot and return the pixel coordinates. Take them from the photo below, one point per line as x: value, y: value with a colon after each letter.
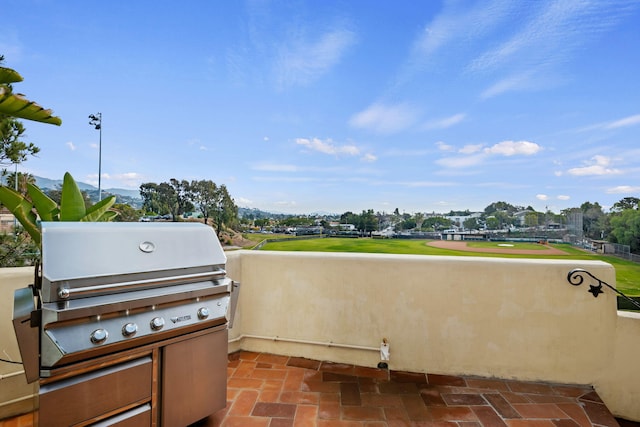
x: 328, y: 147
x: 623, y: 189
x: 471, y: 148
x: 514, y: 82
x: 71, y: 146
x: 444, y: 147
x: 127, y: 179
x: 385, y: 118
x: 460, y: 162
x: 369, y: 157
x: 627, y: 121
x: 243, y: 201
x: 563, y: 197
x: 274, y: 167
x: 302, y: 61
x: 446, y: 122
x: 598, y: 165
x: 542, y: 197
x: 511, y: 148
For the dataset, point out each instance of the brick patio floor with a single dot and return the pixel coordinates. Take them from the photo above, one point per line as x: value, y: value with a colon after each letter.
x: 266, y: 390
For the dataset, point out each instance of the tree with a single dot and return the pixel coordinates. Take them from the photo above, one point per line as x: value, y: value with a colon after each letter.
x: 16, y: 105
x: 204, y: 196
x: 126, y: 213
x: 158, y: 198
x: 591, y: 214
x: 626, y: 203
x: 12, y: 148
x: 182, y: 198
x: 625, y: 229
x: 225, y: 211
x: 471, y: 224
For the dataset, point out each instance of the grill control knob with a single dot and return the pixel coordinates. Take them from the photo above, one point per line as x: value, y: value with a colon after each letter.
x: 99, y: 336
x: 157, y: 323
x: 203, y: 313
x: 129, y: 329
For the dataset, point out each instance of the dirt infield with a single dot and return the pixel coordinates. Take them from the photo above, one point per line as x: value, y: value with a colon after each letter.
x: 458, y: 245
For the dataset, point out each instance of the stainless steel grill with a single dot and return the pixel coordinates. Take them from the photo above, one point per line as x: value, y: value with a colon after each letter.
x: 116, y: 301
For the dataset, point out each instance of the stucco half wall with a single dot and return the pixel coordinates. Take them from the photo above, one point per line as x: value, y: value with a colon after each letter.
x: 494, y: 317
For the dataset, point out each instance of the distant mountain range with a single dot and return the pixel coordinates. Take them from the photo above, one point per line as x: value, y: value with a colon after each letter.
x: 52, y: 184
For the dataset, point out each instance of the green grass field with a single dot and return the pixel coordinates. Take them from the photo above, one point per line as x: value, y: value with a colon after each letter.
x: 627, y: 272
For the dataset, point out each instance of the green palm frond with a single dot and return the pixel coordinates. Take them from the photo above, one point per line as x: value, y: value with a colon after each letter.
x: 16, y: 105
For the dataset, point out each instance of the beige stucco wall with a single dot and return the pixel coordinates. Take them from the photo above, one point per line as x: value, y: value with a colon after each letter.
x: 506, y: 318
x: 16, y: 396
x: 619, y: 386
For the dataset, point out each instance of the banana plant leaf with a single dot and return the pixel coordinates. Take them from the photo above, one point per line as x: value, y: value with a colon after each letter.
x: 7, y: 75
x: 72, y: 207
x: 47, y: 208
x: 16, y: 105
x: 98, y: 211
x: 22, y: 209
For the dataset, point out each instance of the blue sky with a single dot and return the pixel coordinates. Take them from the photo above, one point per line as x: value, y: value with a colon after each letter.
x: 335, y: 106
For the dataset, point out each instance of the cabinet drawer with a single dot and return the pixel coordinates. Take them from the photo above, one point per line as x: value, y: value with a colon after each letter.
x: 94, y: 394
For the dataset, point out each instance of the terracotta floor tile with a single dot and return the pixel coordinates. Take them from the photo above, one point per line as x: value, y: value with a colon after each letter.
x: 539, y: 410
x: 501, y: 405
x: 306, y: 416
x: 266, y: 390
x: 329, y: 410
x: 273, y: 359
x: 488, y: 417
x: 381, y: 400
x: 320, y: 386
x: 243, y: 404
x: 362, y: 413
x: 431, y: 396
x: 366, y: 372
x: 446, y: 380
x: 565, y: 423
x: 398, y: 388
x: 301, y: 362
x: 248, y: 355
x: 549, y: 398
x: 300, y: 397
x: 281, y: 422
x: 407, y: 377
x: 337, y: 368
x: 269, y: 374
x: 274, y: 410
x: 235, y: 421
x: 490, y: 384
x: 576, y: 412
x: 453, y: 399
x: 599, y: 414
x: 453, y: 413
x: 269, y: 396
x: 339, y: 423
x: 416, y: 409
x: 293, y: 380
x: 591, y: 396
x: 530, y: 423
x: 530, y: 388
x: 244, y: 383
x: 571, y: 391
x: 396, y: 414
x: 350, y: 394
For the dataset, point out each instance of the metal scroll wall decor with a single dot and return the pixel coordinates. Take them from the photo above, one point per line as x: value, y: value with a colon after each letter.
x: 577, y: 276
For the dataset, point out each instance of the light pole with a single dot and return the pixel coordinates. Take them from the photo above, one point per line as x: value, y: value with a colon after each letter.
x: 96, y: 121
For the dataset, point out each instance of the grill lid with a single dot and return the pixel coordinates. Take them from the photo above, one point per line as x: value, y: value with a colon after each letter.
x: 85, y: 254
